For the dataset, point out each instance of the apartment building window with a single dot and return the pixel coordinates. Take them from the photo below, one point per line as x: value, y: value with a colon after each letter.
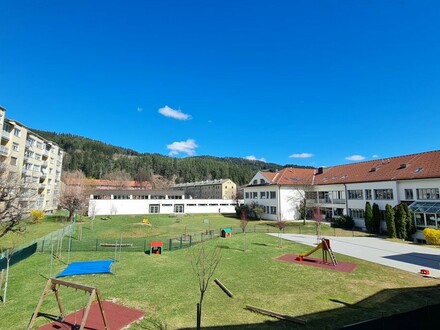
x: 17, y: 132
x: 14, y: 161
x: 31, y: 141
x: 355, y: 194
x: 273, y: 195
x: 409, y: 194
x: 273, y: 210
x: 37, y: 156
x: 15, y: 146
x: 383, y: 194
x: 428, y: 193
x: 357, y: 213
x: 368, y: 194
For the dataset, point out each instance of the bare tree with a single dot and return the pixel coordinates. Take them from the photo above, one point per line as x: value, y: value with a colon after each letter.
x: 280, y: 225
x: 302, y: 197
x: 243, y: 224
x: 16, y: 198
x: 75, y: 193
x: 204, y: 263
x: 119, y: 177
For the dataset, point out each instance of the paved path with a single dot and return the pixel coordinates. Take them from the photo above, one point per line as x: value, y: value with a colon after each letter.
x: 406, y: 257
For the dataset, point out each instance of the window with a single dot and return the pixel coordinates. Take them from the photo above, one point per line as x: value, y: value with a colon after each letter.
x: 428, y: 193
x: 273, y: 194
x: 178, y: 208
x: 355, y: 194
x: 409, y: 194
x: 368, y: 194
x: 154, y: 208
x: 246, y: 195
x: 383, y: 194
x: 17, y: 132
x: 254, y: 195
x: 273, y: 210
x: 262, y: 194
x: 255, y: 181
x: 356, y: 213
x: 262, y: 181
x: 13, y: 161
x: 15, y: 146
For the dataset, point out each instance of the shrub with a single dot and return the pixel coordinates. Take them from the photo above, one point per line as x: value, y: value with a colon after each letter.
x: 345, y: 221
x: 432, y: 236
x: 37, y: 216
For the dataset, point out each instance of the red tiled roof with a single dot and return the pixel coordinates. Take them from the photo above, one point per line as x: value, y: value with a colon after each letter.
x: 416, y: 166
x: 291, y: 176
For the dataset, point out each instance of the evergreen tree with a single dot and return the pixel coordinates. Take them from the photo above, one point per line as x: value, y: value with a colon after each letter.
x: 410, y: 226
x: 400, y: 221
x: 376, y: 219
x: 389, y: 218
x: 369, y: 218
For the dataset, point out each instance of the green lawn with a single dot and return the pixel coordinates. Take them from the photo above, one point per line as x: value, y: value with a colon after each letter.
x: 166, y: 289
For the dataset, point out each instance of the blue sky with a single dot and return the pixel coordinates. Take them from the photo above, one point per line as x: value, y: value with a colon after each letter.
x: 315, y: 83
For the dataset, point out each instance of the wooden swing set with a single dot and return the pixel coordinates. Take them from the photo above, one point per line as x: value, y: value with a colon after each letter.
x: 53, y: 285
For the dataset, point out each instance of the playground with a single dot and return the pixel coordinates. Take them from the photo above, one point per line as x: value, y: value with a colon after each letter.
x: 164, y: 287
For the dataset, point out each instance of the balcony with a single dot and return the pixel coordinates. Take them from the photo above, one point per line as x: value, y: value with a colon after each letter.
x: 6, y: 135
x: 44, y: 163
x: 41, y: 186
x: 4, y: 151
x: 45, y: 153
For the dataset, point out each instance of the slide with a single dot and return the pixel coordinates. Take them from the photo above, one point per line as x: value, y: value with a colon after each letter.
x: 319, y: 246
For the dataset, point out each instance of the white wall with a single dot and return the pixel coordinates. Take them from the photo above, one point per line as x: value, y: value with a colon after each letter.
x: 99, y: 207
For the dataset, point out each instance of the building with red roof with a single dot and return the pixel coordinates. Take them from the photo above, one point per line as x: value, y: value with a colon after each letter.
x: 345, y: 189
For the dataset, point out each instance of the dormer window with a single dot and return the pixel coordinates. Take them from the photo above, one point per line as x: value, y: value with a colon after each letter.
x: 262, y: 181
x: 419, y: 169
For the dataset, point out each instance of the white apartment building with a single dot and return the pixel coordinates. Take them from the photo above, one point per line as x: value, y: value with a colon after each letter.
x: 37, y: 160
x: 345, y: 189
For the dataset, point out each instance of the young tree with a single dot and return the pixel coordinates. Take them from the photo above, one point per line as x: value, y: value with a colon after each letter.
x: 14, y: 200
x: 243, y: 224
x: 376, y: 219
x: 369, y: 217
x: 400, y: 220
x: 389, y: 218
x: 410, y: 226
x: 280, y: 225
x: 204, y: 263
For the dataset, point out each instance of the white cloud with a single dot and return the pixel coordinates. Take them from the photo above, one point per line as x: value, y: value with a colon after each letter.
x: 252, y: 157
x: 375, y: 156
x: 176, y: 114
x: 301, y: 155
x: 139, y: 109
x: 355, y: 158
x: 187, y: 147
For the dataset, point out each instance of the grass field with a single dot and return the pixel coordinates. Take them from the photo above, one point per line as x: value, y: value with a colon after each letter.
x: 166, y: 289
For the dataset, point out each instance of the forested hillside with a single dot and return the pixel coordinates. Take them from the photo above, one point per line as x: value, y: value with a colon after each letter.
x: 96, y: 159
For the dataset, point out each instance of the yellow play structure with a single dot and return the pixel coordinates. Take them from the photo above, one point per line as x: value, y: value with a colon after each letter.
x: 326, y: 252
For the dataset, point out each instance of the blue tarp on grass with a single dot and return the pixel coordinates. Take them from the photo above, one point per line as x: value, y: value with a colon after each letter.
x: 87, y: 267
